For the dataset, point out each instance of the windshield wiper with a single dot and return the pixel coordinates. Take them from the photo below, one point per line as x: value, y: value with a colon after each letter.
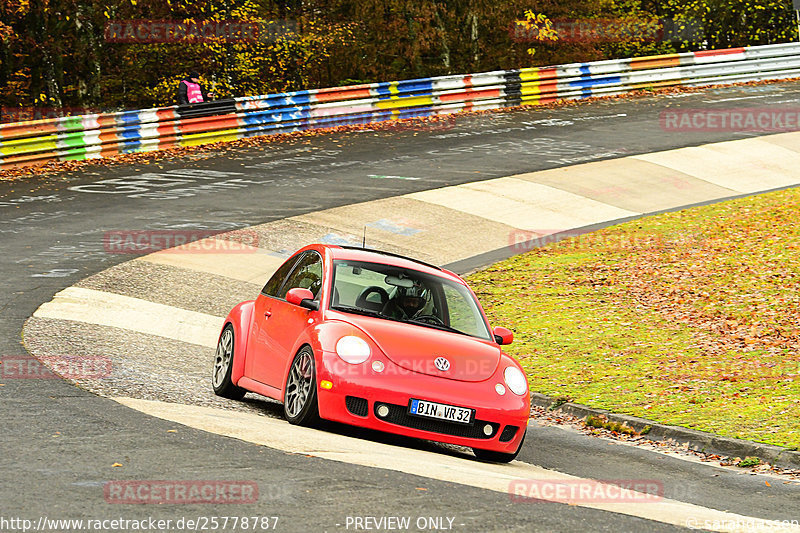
x: 435, y: 325
x: 358, y: 311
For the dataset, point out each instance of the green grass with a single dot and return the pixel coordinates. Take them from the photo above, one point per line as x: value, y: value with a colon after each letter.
x: 689, y: 318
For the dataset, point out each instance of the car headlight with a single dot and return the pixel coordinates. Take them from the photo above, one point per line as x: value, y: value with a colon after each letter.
x: 353, y: 350
x: 516, y: 380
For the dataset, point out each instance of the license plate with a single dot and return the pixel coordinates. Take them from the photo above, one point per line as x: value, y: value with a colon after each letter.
x: 440, y: 411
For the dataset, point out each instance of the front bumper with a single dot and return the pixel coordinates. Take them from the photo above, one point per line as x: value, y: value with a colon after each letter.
x: 357, y: 392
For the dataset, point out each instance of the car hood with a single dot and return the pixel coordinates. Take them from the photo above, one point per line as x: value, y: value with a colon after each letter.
x: 416, y: 348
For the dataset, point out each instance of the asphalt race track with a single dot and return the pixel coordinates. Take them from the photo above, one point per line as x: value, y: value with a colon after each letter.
x: 60, y: 443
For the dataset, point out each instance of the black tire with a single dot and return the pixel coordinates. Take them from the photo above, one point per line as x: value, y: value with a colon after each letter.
x: 498, y: 457
x: 223, y: 366
x: 300, y: 395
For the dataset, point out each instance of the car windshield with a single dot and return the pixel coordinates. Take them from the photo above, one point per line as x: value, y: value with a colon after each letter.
x: 405, y: 295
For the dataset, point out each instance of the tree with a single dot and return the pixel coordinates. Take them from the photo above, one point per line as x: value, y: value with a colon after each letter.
x: 56, y: 53
x: 717, y: 24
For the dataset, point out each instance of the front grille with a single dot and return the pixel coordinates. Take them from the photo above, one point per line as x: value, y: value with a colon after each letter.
x: 357, y: 406
x: 508, y: 433
x: 398, y: 414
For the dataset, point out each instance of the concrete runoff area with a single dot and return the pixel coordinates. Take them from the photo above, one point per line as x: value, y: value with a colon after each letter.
x: 633, y: 184
x: 746, y: 166
x: 524, y: 204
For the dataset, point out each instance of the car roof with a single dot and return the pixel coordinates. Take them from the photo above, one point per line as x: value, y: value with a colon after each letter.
x: 369, y: 255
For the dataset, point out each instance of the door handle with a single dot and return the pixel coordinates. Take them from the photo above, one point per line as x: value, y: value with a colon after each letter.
x: 267, y: 314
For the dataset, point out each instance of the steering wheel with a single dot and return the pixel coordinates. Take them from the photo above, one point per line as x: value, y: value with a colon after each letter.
x: 430, y: 318
x: 362, y: 301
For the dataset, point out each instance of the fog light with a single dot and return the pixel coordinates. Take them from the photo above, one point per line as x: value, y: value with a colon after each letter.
x: 377, y: 366
x: 500, y: 389
x: 487, y: 429
x: 383, y: 411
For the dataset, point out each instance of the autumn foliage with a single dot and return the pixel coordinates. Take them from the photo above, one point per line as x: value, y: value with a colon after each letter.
x: 56, y: 54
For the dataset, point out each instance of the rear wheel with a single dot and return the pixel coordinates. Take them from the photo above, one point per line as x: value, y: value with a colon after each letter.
x: 300, y: 397
x: 223, y: 366
x: 498, y: 457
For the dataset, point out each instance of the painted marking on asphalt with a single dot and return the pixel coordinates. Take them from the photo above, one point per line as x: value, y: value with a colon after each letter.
x: 56, y: 273
x: 396, y: 226
x: 337, y: 239
x: 737, y: 98
x: 133, y: 314
x: 381, y: 177
x: 280, y: 435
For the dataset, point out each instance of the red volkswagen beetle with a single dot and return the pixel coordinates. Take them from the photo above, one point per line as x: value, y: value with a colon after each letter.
x: 381, y: 341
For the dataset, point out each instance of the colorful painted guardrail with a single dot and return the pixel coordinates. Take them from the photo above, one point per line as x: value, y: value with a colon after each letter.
x: 109, y: 134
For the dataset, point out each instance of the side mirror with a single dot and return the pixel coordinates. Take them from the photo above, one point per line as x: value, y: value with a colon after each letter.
x: 302, y: 297
x: 503, y: 336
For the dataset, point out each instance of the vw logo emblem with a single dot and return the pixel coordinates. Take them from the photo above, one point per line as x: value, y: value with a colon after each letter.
x: 442, y: 364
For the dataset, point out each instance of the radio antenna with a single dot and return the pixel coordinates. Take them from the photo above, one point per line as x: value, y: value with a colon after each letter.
x: 364, y: 241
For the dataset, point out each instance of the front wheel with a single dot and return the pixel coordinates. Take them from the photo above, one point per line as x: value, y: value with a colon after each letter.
x: 300, y: 397
x: 223, y: 366
x: 498, y: 457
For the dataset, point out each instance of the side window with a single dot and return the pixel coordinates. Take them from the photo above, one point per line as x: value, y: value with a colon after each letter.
x: 275, y: 282
x: 307, y: 275
x: 463, y: 316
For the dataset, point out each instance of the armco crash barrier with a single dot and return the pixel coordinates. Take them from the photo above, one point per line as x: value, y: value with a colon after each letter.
x: 108, y: 134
